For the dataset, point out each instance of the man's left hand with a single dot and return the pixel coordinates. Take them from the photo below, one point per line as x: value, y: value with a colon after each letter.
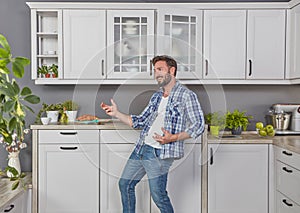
x: 166, y: 138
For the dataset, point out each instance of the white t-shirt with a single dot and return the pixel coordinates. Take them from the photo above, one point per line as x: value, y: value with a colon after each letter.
x: 157, y: 124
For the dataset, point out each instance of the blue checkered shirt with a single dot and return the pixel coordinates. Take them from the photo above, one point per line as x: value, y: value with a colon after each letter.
x: 183, y: 114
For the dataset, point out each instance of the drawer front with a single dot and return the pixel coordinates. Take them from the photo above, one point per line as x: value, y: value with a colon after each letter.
x: 288, y: 157
x: 68, y: 136
x: 119, y: 136
x: 285, y: 205
x: 288, y: 181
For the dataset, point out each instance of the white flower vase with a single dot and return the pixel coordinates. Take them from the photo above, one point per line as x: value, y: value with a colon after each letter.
x: 71, y: 116
x: 14, y: 161
x: 53, y: 115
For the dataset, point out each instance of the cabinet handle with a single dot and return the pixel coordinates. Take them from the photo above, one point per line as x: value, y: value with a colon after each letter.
x: 250, y: 67
x: 150, y: 67
x: 287, y: 153
x: 211, y: 156
x: 68, y: 133
x: 286, y: 203
x: 10, y: 208
x: 206, y: 67
x: 287, y: 170
x: 68, y: 148
x: 102, y: 67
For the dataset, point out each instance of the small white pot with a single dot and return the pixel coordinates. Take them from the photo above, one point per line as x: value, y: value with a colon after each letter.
x: 71, y: 115
x: 14, y: 161
x: 53, y: 115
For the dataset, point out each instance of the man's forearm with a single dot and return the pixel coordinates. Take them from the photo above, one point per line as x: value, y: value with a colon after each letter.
x: 124, y: 118
x: 181, y: 136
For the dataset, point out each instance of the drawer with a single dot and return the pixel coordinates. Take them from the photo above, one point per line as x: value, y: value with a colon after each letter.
x: 285, y: 205
x: 288, y: 157
x: 119, y: 136
x: 68, y: 136
x: 288, y: 181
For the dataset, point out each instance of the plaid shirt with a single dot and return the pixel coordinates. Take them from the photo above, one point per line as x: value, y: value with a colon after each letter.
x: 183, y: 114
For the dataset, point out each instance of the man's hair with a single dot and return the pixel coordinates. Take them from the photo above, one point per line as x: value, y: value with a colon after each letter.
x: 169, y: 60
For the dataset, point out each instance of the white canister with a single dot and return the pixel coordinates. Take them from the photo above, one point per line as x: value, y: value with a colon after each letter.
x: 53, y: 115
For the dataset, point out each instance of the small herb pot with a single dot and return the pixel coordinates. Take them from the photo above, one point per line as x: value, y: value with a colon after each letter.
x: 214, y: 130
x: 237, y: 131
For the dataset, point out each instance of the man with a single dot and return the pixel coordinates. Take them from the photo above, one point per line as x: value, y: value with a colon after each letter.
x: 172, y: 115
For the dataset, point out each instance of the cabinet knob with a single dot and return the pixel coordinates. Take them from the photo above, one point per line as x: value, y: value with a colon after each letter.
x: 287, y: 153
x: 150, y: 67
x: 206, y: 67
x: 287, y: 170
x: 102, y: 67
x: 250, y: 67
x: 68, y: 148
x: 286, y: 203
x: 10, y: 208
x: 211, y: 156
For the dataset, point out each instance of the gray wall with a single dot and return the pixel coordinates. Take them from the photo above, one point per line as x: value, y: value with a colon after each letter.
x: 15, y: 25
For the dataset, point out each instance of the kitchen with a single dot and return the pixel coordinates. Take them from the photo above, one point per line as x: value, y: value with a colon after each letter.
x: 256, y: 99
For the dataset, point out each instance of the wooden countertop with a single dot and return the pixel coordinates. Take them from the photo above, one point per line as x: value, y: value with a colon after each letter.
x: 7, y: 195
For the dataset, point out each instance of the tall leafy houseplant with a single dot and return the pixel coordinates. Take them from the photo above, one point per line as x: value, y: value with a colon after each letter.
x: 13, y: 103
x: 216, y: 122
x: 237, y: 121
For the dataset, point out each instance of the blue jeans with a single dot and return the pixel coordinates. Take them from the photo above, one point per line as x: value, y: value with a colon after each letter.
x: 147, y: 161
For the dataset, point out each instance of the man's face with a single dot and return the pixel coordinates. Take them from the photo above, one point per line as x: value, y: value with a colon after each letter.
x: 162, y: 73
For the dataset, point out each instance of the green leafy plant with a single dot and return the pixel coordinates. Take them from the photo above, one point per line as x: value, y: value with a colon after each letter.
x: 70, y: 105
x: 54, y: 69
x: 237, y: 119
x: 43, y: 70
x: 48, y: 107
x: 13, y: 99
x: 215, y: 119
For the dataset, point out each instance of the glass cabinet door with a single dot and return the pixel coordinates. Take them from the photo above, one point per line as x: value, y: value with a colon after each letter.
x: 180, y: 36
x: 130, y: 36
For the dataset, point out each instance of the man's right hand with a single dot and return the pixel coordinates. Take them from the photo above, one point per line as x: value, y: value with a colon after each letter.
x: 110, y: 110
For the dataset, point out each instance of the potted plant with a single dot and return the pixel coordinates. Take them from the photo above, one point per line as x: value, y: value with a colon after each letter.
x: 71, y: 108
x: 216, y: 122
x: 52, y: 111
x: 13, y: 107
x: 43, y: 71
x: 237, y: 121
x: 54, y: 69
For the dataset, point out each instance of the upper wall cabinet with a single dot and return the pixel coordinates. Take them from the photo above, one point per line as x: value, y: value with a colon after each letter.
x: 84, y: 44
x: 224, y: 44
x: 130, y: 44
x: 294, y: 62
x: 179, y: 34
x: 46, y: 40
x: 266, y: 44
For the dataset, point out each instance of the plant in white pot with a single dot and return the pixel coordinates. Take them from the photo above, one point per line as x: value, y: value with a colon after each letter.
x: 13, y: 106
x: 52, y: 111
x: 71, y: 109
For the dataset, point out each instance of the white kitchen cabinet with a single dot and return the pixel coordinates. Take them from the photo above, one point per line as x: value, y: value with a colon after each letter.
x: 84, y: 44
x: 266, y: 44
x: 287, y: 180
x: 130, y: 44
x: 285, y: 205
x: 184, y: 182
x: 116, y: 147
x: 68, y: 171
x: 179, y: 34
x: 294, y: 45
x: 46, y: 40
x: 238, y: 178
x: 21, y: 204
x: 224, y: 44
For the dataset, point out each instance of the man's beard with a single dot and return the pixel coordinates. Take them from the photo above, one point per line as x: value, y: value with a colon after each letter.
x: 166, y: 80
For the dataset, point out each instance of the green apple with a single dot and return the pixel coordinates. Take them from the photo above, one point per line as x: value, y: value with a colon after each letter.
x: 259, y: 125
x: 262, y: 132
x: 269, y: 128
x: 271, y: 133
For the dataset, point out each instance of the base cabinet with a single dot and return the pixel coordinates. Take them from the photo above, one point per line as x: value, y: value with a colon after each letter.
x: 238, y: 178
x: 184, y: 182
x: 68, y: 171
x: 21, y: 204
